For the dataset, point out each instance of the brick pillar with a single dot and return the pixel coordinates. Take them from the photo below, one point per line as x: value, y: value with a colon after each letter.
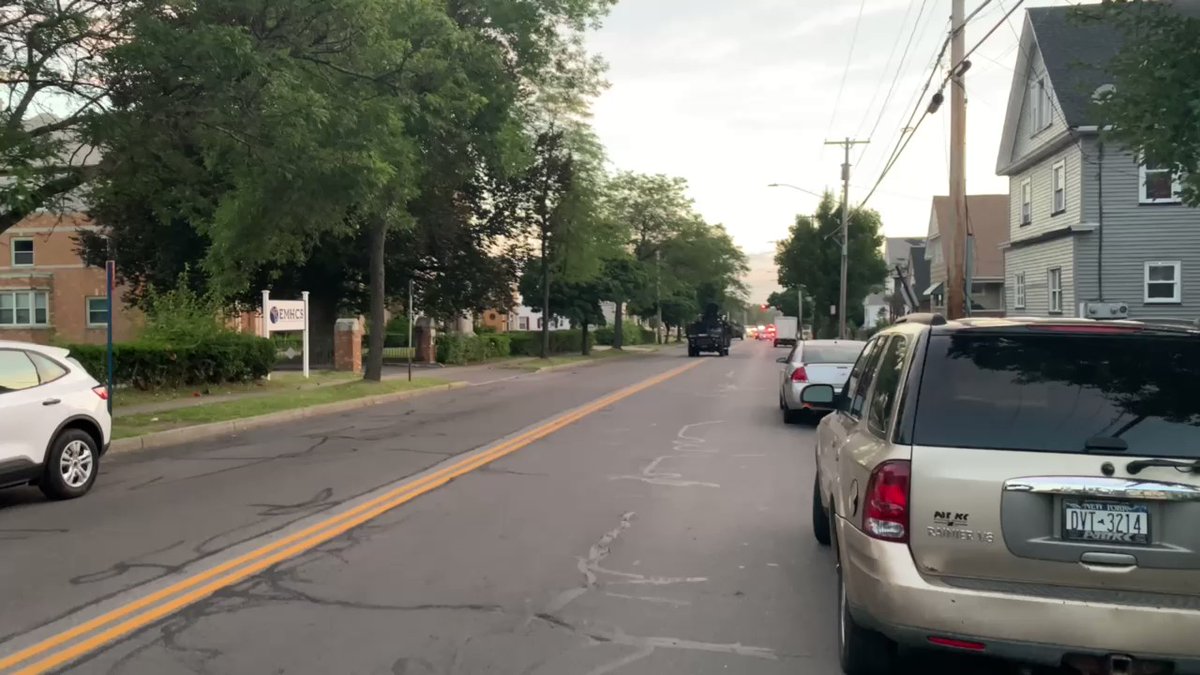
x: 423, y: 337
x: 347, y: 345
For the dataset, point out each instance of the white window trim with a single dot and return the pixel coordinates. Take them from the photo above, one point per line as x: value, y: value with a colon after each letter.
x: 33, y: 323
x: 1043, y: 110
x: 1144, y: 199
x: 1174, y: 300
x: 1019, y: 291
x: 87, y: 310
x: 1051, y: 291
x: 1054, y: 169
x: 1026, y: 189
x: 12, y: 252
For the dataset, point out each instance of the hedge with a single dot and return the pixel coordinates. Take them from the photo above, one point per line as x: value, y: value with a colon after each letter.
x: 230, y: 357
x: 529, y: 343
x: 459, y: 349
x: 633, y: 334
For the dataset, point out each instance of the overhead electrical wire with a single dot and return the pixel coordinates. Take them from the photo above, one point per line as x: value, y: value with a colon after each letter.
x: 846, y: 69
x: 888, y: 65
x: 912, y: 129
x: 895, y: 77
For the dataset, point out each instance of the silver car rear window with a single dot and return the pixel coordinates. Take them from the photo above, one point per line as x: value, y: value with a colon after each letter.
x: 831, y: 353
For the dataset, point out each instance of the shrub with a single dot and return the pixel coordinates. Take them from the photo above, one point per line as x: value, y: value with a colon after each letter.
x: 529, y: 343
x: 226, y: 357
x: 633, y: 334
x: 181, y: 316
x: 458, y: 349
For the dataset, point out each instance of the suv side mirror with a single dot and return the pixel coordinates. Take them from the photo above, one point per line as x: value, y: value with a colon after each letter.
x: 820, y: 396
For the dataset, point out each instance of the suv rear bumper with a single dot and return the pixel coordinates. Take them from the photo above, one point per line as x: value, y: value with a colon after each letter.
x: 887, y: 593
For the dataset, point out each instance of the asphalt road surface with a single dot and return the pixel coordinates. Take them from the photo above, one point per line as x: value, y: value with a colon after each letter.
x: 660, y: 530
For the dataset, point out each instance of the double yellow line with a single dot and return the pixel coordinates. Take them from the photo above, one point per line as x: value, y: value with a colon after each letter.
x: 117, y: 623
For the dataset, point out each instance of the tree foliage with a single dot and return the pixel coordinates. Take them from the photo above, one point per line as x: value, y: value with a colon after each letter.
x: 1158, y: 116
x: 811, y: 257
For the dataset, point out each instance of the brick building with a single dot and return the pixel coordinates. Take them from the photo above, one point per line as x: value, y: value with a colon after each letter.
x: 47, y: 293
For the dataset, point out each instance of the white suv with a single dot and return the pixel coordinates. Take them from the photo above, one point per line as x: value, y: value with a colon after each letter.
x: 54, y: 421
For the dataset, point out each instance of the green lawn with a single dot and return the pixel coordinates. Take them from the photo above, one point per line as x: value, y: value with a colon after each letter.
x: 278, y: 382
x: 137, y: 425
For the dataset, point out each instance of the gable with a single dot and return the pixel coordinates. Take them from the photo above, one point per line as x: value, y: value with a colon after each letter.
x: 1034, y: 117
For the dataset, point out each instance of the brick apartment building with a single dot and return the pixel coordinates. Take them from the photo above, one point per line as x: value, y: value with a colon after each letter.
x: 47, y: 293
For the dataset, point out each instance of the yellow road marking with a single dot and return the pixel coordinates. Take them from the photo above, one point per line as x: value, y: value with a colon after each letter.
x: 233, y: 571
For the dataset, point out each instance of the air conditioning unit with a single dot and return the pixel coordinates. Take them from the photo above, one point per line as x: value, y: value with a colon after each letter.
x: 1106, y: 310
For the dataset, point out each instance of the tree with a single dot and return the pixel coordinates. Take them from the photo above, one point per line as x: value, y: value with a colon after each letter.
x: 811, y: 257
x: 788, y: 302
x: 1154, y: 117
x: 51, y: 92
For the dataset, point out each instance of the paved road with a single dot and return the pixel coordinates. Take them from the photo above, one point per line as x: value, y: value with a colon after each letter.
x: 665, y: 533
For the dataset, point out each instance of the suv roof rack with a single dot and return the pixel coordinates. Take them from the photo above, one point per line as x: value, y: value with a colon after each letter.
x: 931, y: 319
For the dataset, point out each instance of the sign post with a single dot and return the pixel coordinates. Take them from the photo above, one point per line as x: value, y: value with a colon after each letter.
x: 283, y: 316
x: 110, y: 271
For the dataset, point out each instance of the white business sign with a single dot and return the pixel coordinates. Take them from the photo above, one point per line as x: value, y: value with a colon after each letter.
x: 285, y: 315
x: 280, y: 316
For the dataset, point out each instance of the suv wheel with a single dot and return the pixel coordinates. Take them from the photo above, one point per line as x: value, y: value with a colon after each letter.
x: 820, y: 516
x: 861, y: 651
x: 71, y: 465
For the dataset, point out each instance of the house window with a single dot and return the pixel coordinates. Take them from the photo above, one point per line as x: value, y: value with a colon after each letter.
x: 1054, y: 283
x: 1058, y: 181
x: 1162, y: 282
x: 523, y: 323
x: 97, y: 311
x: 22, y: 253
x: 23, y: 308
x: 1159, y: 184
x: 541, y: 323
x: 1026, y: 201
x: 1019, y: 291
x: 1042, y: 110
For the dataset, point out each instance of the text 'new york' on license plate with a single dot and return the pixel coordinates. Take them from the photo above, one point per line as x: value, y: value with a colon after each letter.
x: 1109, y: 521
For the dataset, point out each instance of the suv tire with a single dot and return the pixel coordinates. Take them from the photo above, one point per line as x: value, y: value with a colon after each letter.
x: 861, y: 651
x: 820, y: 516
x: 71, y: 465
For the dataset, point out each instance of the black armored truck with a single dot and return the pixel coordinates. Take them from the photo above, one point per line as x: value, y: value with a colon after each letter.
x: 712, y: 332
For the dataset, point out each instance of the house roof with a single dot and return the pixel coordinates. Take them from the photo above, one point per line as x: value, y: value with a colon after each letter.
x: 920, y: 267
x: 988, y: 217
x: 1076, y: 52
x: 896, y: 249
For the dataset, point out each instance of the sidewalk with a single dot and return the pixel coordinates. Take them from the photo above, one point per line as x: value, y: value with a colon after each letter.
x: 478, y: 374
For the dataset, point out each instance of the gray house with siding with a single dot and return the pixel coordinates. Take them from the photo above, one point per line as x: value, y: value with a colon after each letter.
x: 1093, y: 230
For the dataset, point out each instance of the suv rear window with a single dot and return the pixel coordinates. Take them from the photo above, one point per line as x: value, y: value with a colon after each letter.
x: 840, y: 353
x: 1054, y: 392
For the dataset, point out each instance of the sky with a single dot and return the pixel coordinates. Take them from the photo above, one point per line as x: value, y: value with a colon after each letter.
x: 735, y: 95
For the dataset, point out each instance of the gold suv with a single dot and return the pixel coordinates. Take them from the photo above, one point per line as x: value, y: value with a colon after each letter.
x: 1024, y: 489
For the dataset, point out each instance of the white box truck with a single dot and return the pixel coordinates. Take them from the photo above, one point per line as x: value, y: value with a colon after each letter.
x: 786, y: 329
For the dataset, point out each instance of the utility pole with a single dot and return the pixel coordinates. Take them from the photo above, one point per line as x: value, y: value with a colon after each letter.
x: 658, y: 295
x: 957, y: 293
x: 846, y: 145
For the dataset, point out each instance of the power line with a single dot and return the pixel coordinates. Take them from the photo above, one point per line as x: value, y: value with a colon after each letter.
x: 896, y: 76
x: 956, y: 66
x: 846, y: 70
x: 888, y: 65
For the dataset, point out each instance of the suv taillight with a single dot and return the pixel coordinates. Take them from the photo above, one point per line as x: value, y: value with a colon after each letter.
x: 885, y: 512
x: 101, y: 391
x: 799, y: 374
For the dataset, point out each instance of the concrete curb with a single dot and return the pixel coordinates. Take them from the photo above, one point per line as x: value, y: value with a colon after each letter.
x: 213, y: 430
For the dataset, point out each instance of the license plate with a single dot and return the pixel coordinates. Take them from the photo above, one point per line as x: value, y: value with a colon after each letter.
x: 1106, y: 521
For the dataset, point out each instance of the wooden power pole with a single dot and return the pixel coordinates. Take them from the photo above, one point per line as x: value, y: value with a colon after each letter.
x: 846, y: 145
x: 956, y: 289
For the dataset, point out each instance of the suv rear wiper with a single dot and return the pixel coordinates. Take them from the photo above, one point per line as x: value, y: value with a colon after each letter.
x: 1111, y: 443
x: 1184, y: 466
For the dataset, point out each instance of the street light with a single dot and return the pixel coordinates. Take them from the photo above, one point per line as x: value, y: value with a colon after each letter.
x: 797, y: 188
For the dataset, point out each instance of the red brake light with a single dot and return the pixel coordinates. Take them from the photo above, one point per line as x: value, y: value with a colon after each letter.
x: 885, y: 509
x: 1076, y: 328
x: 101, y: 391
x: 957, y: 644
x: 799, y: 374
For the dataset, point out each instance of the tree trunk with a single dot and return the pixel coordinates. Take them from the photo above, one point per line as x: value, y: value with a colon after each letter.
x: 586, y: 348
x: 374, y: 366
x: 322, y: 314
x: 545, y: 296
x: 618, y: 325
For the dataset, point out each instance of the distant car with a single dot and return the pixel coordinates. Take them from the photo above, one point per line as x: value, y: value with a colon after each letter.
x: 814, y: 362
x: 55, y: 421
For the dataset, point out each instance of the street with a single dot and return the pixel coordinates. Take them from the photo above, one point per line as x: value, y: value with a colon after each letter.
x: 666, y: 532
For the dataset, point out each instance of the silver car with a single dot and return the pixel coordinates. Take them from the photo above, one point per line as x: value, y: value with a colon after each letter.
x: 814, y: 362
